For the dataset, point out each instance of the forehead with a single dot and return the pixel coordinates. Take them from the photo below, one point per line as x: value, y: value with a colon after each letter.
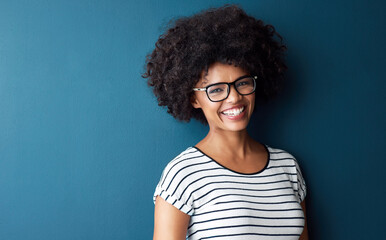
x: 219, y: 72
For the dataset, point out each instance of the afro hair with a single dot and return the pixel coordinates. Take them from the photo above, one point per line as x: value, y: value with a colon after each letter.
x: 192, y: 44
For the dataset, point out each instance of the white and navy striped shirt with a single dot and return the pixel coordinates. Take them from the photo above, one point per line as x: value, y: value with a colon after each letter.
x: 224, y: 204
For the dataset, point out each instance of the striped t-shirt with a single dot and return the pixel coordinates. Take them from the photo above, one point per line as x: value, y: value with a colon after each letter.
x: 224, y: 204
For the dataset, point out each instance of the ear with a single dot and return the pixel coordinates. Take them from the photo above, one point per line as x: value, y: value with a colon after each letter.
x: 195, y: 103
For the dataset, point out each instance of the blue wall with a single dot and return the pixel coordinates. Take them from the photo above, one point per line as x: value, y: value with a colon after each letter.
x: 83, y: 142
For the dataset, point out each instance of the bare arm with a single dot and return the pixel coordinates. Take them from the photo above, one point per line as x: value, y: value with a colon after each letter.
x: 169, y: 222
x: 304, y: 235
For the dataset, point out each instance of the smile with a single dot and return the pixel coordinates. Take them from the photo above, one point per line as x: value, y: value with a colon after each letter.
x: 233, y: 112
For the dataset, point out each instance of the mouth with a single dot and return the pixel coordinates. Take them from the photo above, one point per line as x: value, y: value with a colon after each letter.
x: 233, y: 111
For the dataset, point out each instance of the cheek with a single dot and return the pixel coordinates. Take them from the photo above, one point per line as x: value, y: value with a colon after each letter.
x: 251, y: 99
x: 213, y: 108
x: 210, y: 108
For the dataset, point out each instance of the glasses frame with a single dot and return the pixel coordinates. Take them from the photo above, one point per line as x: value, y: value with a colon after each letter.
x: 229, y: 87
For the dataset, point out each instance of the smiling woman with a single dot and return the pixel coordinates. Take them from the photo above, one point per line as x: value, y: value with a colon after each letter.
x: 213, y: 67
x: 223, y: 105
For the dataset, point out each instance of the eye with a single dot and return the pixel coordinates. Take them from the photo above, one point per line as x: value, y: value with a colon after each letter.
x: 244, y: 82
x: 215, y: 90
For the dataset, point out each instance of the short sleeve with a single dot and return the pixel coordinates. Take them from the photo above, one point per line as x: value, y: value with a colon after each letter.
x: 302, y: 188
x: 175, y: 200
x: 172, y: 187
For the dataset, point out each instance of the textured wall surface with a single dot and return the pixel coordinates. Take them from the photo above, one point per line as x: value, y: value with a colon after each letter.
x: 83, y: 142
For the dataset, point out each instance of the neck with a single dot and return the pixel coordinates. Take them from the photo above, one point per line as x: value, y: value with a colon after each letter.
x: 233, y: 143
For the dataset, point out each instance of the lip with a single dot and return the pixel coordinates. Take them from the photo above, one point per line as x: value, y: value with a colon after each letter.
x: 238, y: 106
x: 233, y: 118
x: 238, y: 117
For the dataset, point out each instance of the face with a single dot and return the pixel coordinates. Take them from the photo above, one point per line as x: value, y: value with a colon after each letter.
x: 231, y: 114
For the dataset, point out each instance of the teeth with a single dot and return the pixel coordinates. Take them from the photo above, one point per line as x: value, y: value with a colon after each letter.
x: 234, y: 111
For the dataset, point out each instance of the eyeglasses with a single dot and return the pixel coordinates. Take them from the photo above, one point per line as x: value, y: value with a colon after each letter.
x: 217, y: 92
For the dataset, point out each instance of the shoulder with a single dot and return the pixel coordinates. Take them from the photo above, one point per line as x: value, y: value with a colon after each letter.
x: 183, y: 160
x: 280, y: 154
x: 183, y: 165
x: 280, y: 158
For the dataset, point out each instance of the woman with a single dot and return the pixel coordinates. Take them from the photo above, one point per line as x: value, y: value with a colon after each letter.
x: 213, y: 67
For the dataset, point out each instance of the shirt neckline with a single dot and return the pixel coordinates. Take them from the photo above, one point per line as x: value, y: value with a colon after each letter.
x: 260, y: 171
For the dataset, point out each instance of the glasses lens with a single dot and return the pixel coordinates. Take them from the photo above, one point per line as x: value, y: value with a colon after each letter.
x: 217, y: 92
x: 245, y: 85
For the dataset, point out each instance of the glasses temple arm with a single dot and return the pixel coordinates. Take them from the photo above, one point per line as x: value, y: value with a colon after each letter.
x: 199, y: 89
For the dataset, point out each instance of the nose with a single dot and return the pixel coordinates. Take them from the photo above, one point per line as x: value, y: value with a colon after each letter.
x: 233, y: 96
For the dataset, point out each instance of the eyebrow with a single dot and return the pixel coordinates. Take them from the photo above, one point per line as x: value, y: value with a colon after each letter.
x: 206, y: 80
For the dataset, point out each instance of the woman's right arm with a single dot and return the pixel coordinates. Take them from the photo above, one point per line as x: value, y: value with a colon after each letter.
x: 169, y: 222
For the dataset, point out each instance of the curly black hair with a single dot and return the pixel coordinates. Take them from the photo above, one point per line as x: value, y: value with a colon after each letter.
x: 227, y: 35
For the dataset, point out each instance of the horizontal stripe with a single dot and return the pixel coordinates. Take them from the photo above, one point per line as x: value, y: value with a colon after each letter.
x: 243, y: 195
x: 281, y: 159
x: 255, y: 209
x: 281, y: 166
x: 246, y: 225
x: 278, y: 152
x: 243, y: 201
x: 252, y: 234
x: 245, y: 208
x: 242, y: 189
x: 245, y: 216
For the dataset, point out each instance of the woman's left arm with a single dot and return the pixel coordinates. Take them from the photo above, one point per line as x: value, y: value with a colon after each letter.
x: 304, y: 235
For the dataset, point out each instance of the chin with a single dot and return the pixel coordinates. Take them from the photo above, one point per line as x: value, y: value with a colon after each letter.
x: 235, y: 125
